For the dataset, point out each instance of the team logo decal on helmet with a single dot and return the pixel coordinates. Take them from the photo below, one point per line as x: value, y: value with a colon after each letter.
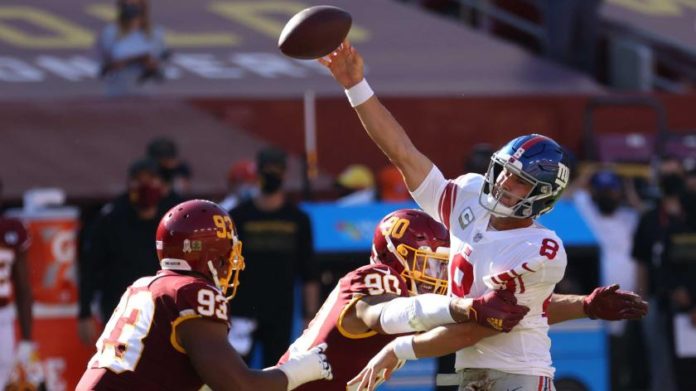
x: 536, y: 159
x: 199, y: 236
x: 416, y: 246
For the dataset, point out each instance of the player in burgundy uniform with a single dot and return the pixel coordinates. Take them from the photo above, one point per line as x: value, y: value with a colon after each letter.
x: 169, y: 331
x: 409, y: 257
x: 14, y: 282
x: 14, y: 276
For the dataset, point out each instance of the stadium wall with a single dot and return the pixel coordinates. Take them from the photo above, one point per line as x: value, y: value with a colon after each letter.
x: 443, y: 128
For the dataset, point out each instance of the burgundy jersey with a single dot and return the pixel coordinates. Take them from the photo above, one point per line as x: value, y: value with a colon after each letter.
x: 347, y: 353
x: 138, y: 349
x: 13, y: 238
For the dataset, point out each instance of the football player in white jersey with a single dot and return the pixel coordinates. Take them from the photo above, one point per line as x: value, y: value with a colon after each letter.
x: 495, y: 241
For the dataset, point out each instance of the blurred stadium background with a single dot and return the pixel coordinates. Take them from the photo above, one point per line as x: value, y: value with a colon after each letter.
x: 455, y: 73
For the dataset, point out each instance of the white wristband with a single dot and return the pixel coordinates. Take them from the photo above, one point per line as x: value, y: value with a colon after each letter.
x: 359, y: 93
x: 403, y: 348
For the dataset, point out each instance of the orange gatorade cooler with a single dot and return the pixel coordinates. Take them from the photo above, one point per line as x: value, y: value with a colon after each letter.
x: 52, y: 259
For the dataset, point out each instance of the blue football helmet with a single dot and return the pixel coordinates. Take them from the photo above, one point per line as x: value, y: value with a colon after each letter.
x: 536, y: 159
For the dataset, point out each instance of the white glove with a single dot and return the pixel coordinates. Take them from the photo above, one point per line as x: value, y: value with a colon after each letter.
x: 307, y: 366
x: 25, y: 351
x: 28, y: 369
x: 241, y: 334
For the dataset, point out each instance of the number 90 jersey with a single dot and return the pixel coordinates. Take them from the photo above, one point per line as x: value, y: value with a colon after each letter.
x: 348, y: 353
x: 138, y: 349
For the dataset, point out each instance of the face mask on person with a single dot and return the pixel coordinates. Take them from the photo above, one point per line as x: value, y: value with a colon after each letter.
x: 146, y: 195
x: 271, y: 181
x: 130, y: 11
x: 168, y: 174
x: 606, y: 203
x: 671, y: 184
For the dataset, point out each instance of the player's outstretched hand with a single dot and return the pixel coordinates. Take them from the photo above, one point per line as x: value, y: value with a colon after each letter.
x: 611, y: 303
x: 377, y: 371
x: 345, y: 64
x: 497, y: 310
x: 303, y: 367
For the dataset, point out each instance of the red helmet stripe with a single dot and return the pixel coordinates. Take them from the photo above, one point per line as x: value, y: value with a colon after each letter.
x: 532, y: 142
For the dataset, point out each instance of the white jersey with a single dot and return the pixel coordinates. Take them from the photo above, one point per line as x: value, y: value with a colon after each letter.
x: 527, y: 261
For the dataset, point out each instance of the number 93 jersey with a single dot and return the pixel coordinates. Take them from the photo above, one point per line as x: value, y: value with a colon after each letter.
x: 348, y: 353
x: 138, y: 349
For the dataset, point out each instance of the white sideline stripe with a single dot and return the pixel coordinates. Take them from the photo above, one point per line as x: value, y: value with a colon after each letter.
x: 48, y: 311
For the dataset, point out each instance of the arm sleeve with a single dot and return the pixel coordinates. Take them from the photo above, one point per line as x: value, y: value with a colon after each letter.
x: 429, y: 192
x: 438, y: 196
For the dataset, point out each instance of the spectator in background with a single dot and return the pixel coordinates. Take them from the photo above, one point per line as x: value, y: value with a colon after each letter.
x: 356, y: 186
x: 277, y: 236
x: 242, y: 184
x: 175, y: 172
x: 612, y: 222
x: 118, y: 249
x: 391, y: 186
x: 14, y: 286
x: 666, y: 275
x: 131, y: 50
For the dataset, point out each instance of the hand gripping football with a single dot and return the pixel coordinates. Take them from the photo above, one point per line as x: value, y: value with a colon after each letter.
x: 314, y: 32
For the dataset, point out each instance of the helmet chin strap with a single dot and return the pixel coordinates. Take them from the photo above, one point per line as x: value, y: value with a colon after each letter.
x: 392, y: 249
x: 214, y: 273
x: 497, y: 209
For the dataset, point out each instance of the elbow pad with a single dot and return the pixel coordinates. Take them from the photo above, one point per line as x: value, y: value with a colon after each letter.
x: 417, y: 313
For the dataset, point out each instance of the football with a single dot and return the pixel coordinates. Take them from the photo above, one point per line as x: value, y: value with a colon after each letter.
x: 314, y: 32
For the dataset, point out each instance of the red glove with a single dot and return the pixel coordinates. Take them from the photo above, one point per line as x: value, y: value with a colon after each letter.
x: 610, y: 303
x: 497, y: 310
